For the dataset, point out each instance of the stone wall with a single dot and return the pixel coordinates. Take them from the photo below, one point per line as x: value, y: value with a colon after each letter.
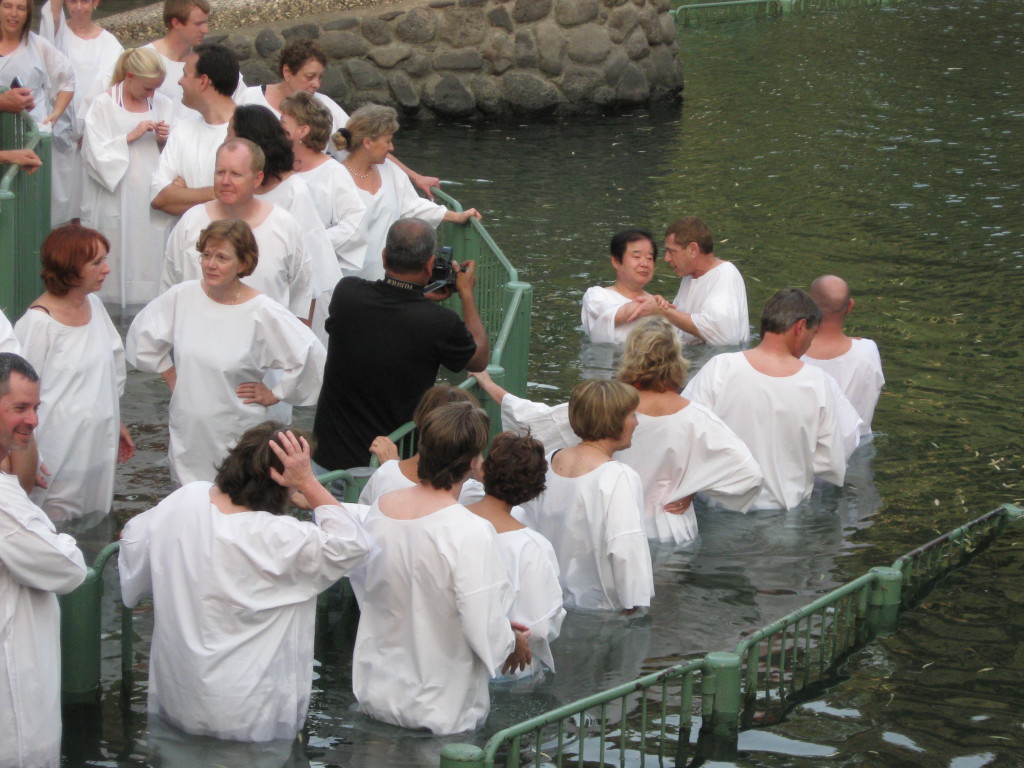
x: 482, y: 58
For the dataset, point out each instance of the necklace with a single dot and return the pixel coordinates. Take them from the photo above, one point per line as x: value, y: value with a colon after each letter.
x: 238, y: 293
x: 597, y: 448
x: 358, y: 175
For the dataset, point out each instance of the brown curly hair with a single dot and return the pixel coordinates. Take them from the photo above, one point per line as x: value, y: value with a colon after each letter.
x: 515, y: 469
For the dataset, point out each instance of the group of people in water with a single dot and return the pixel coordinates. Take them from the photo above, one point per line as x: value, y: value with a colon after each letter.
x: 262, y: 199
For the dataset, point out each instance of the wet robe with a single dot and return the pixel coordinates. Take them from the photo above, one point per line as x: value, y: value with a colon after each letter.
x: 234, y: 601
x: 215, y: 348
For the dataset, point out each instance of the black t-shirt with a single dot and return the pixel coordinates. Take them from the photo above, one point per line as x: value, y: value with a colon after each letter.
x: 384, y: 348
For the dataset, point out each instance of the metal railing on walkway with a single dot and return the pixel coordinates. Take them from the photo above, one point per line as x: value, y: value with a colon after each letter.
x: 754, y: 684
x: 24, y: 215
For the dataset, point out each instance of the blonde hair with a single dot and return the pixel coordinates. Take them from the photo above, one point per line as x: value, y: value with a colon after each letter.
x: 367, y: 122
x: 653, y: 358
x: 141, y: 62
x: 598, y: 408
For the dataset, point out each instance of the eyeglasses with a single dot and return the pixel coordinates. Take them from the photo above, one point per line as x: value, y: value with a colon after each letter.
x: 220, y: 259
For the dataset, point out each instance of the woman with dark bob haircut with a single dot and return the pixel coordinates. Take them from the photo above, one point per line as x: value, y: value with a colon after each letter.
x: 514, y: 473
x: 234, y: 582
x: 68, y: 338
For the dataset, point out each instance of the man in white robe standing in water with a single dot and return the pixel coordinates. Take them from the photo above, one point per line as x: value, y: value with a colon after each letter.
x: 852, y: 361
x: 787, y: 413
x: 711, y: 305
x: 182, y: 179
x: 35, y: 563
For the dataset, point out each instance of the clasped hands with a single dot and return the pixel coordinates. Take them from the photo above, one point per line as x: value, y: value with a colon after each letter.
x: 651, y: 304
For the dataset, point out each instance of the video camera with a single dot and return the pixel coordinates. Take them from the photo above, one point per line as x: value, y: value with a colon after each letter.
x: 444, y: 273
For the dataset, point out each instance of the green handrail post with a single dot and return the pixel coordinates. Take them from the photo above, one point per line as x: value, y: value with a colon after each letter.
x: 720, y: 705
x: 1014, y: 515
x: 80, y: 635
x: 884, y: 600
x: 514, y: 343
x: 462, y: 756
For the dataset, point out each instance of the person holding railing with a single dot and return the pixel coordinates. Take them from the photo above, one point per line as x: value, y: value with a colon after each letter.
x: 234, y: 581
x: 434, y: 599
x: 387, y: 193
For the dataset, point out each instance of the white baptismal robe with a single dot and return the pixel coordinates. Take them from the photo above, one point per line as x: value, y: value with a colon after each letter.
x: 115, y: 195
x: 434, y: 622
x: 82, y: 374
x: 533, y: 570
x: 92, y: 60
x: 341, y: 209
x: 547, y: 423
x: 789, y: 423
x: 283, y: 273
x: 191, y: 154
x: 595, y: 524
x: 8, y: 341
x: 215, y: 348
x: 396, y: 199
x: 255, y: 95
x: 858, y: 371
x: 234, y: 599
x: 600, y: 305
x: 717, y: 303
x: 389, y: 477
x: 294, y: 195
x: 35, y: 562
x: 687, y: 452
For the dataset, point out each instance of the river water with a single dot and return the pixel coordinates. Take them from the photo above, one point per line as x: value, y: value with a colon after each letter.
x: 882, y: 144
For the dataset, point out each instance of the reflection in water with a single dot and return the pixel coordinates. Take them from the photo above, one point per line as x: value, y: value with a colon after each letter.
x: 172, y: 748
x: 883, y: 145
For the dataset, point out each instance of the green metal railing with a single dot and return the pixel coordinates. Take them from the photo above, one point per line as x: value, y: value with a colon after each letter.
x: 753, y: 684
x: 690, y: 14
x: 24, y: 215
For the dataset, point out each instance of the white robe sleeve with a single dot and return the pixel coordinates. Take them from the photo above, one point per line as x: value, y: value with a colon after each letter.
x: 628, y: 551
x: 60, y: 76
x: 409, y: 202
x: 104, y: 150
x: 598, y: 315
x: 731, y: 476
x: 483, y: 596
x: 151, y: 335
x: 180, y: 247
x: 133, y: 559
x: 547, y: 423
x: 849, y: 420
x: 702, y: 387
x: 345, y: 230
x: 723, y: 317
x: 344, y: 544
x: 830, y: 450
x: 539, y: 600
x: 8, y: 340
x: 284, y: 343
x: 34, y: 554
x: 31, y: 331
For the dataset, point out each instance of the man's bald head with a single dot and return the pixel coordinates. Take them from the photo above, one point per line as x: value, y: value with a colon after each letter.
x: 832, y: 295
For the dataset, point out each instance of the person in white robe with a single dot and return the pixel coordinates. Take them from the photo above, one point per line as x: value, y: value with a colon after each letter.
x: 234, y: 582
x: 284, y: 273
x: 93, y: 53
x: 785, y: 411
x: 213, y: 341
x: 386, y: 192
x: 283, y: 187
x: 852, y: 361
x: 67, y: 336
x: 29, y: 61
x: 609, y: 313
x: 513, y: 473
x: 183, y: 176
x: 592, y: 508
x: 125, y: 128
x: 711, y: 304
x: 426, y: 647
x: 35, y: 563
x: 395, y: 473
